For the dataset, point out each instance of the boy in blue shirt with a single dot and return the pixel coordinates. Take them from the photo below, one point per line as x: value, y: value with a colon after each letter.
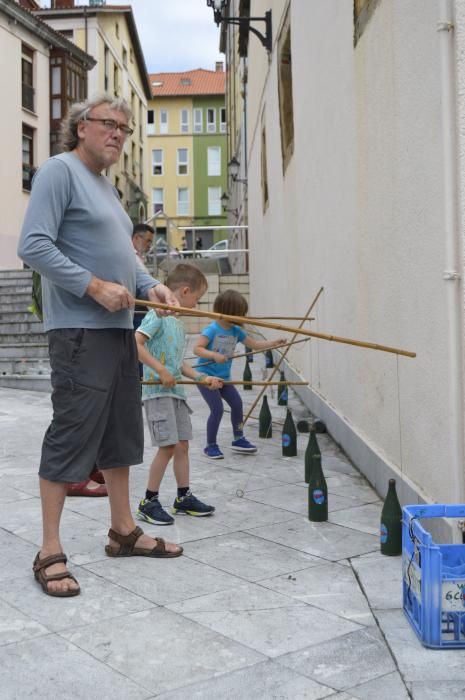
x: 160, y: 343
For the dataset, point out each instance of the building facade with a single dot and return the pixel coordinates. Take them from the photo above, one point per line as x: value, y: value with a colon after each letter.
x: 356, y: 163
x: 36, y: 61
x: 186, y: 132
x: 109, y: 34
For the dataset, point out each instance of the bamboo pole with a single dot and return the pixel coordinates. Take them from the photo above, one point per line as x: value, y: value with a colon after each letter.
x: 252, y: 352
x: 280, y: 318
x: 276, y: 326
x: 281, y: 360
x: 233, y: 381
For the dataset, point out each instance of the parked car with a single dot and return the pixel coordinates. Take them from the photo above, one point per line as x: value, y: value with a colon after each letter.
x: 217, y: 250
x: 162, y: 250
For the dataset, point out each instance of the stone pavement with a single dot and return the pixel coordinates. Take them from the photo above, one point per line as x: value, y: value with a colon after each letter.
x: 263, y: 604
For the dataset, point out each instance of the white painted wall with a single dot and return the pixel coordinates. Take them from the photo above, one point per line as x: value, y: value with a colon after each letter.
x: 361, y: 212
x: 13, y: 200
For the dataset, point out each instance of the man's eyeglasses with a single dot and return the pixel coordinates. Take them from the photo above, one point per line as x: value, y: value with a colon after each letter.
x: 111, y: 125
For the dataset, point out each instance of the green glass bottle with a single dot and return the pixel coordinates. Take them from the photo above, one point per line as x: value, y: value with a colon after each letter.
x: 264, y: 420
x: 312, y: 449
x: 391, y: 523
x: 289, y: 437
x: 249, y: 358
x: 269, y: 362
x: 247, y: 377
x: 282, y: 391
x: 317, y: 493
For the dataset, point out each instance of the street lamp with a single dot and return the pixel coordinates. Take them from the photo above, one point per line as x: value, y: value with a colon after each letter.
x: 224, y: 204
x: 244, y: 22
x: 233, y: 168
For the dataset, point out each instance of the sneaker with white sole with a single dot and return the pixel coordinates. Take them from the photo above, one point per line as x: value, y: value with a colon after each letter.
x: 243, y: 445
x: 213, y: 452
x: 151, y: 510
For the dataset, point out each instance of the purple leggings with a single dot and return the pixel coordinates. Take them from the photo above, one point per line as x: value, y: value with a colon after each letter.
x: 214, y: 400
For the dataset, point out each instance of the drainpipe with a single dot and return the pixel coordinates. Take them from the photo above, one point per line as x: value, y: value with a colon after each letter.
x: 452, y: 273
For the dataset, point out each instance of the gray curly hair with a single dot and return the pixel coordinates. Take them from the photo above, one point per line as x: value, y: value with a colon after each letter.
x: 80, y: 110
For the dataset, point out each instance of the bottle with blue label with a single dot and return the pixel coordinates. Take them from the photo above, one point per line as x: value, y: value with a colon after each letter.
x: 317, y: 493
x: 312, y: 449
x: 289, y: 436
x: 269, y: 362
x: 390, y: 531
x: 282, y: 391
x: 265, y: 428
x: 247, y: 377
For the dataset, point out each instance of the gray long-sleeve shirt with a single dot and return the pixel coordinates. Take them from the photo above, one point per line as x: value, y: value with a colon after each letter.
x: 75, y: 227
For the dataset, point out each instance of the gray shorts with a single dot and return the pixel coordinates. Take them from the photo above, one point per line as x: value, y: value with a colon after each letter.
x: 96, y: 397
x: 168, y: 420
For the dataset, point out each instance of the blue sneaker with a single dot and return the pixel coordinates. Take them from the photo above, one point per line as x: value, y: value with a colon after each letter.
x: 243, y: 445
x: 190, y: 505
x: 151, y: 511
x: 213, y: 452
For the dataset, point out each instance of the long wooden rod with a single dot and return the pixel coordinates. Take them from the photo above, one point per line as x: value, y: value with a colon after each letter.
x: 276, y: 326
x: 235, y: 381
x: 280, y: 318
x: 281, y: 360
x: 251, y: 352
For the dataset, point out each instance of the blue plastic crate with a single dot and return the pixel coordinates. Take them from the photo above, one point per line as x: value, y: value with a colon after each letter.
x: 433, y: 579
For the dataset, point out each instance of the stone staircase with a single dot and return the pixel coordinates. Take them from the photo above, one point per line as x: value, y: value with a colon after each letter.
x: 23, y: 344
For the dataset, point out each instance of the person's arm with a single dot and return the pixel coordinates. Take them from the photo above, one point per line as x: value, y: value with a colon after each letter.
x: 148, y: 359
x: 200, y: 349
x: 251, y: 342
x: 212, y: 382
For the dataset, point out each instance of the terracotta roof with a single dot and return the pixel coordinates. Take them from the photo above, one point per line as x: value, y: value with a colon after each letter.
x: 191, y: 82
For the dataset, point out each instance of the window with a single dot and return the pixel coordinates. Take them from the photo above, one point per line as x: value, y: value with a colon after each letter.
x: 214, y: 160
x: 184, y: 121
x: 150, y: 122
x: 141, y: 169
x: 223, y: 120
x: 131, y: 55
x: 214, y: 201
x: 183, y: 201
x: 211, y: 120
x: 106, y: 68
x: 133, y: 158
x: 126, y: 163
x: 117, y: 30
x: 264, y: 171
x: 115, y: 80
x: 157, y: 161
x: 182, y: 161
x: 157, y: 199
x: 28, y: 156
x: 27, y: 77
x: 198, y: 121
x: 363, y: 10
x: 286, y: 109
x: 163, y: 121
x: 125, y: 57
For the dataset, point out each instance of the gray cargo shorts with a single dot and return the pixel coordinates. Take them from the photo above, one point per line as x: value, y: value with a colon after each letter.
x: 96, y: 397
x: 168, y: 420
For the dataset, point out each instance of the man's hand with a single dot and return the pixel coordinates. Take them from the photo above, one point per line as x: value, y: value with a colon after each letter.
x: 166, y: 378
x: 162, y: 295
x: 212, y: 382
x: 280, y: 341
x: 110, y: 295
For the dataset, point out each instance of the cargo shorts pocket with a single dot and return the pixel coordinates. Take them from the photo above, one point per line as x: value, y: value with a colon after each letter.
x: 161, y: 427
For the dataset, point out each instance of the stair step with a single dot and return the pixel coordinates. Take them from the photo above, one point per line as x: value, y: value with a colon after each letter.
x: 20, y: 274
x: 32, y: 325
x: 10, y: 288
x: 16, y: 315
x: 26, y: 382
x: 22, y: 338
x: 25, y: 365
x: 15, y: 351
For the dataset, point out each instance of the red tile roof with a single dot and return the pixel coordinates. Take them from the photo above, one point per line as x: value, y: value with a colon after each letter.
x: 191, y: 82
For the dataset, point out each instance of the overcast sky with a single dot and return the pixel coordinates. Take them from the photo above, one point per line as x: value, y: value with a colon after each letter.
x: 176, y: 35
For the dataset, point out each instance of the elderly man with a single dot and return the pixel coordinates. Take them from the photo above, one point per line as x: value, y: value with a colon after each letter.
x: 78, y: 236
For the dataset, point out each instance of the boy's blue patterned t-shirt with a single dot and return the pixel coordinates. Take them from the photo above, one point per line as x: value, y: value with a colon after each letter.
x: 166, y: 343
x: 223, y: 341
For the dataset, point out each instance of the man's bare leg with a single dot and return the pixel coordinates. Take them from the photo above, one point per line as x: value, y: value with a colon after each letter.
x: 52, y: 494
x: 117, y: 481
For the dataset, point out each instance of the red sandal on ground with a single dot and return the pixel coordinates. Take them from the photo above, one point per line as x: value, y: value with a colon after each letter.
x: 127, y: 546
x: 44, y: 579
x: 83, y: 489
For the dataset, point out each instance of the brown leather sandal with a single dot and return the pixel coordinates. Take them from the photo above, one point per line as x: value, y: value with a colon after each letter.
x: 44, y: 579
x: 127, y: 546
